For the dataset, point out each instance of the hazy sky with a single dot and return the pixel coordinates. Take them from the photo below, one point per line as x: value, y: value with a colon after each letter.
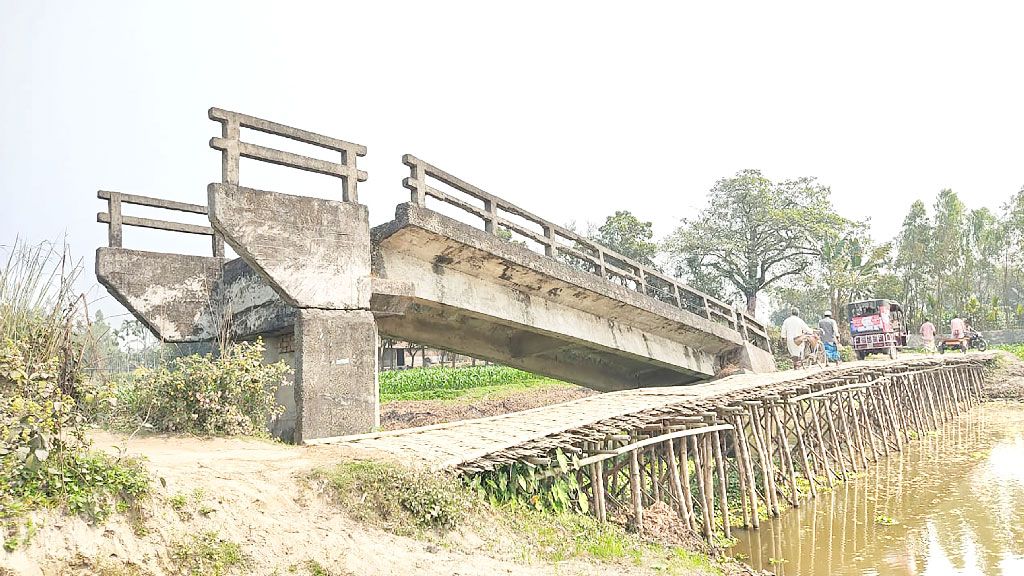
x: 572, y: 110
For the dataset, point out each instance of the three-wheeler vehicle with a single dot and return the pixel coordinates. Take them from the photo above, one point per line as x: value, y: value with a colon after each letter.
x: 877, y: 326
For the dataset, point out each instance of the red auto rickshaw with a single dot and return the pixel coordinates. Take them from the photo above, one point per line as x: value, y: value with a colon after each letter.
x: 877, y: 327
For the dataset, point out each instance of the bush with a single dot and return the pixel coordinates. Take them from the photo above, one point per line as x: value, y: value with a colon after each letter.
x: 229, y: 394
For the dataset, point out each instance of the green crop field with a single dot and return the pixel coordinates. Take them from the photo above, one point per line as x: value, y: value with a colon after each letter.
x: 439, y: 383
x: 1016, y: 349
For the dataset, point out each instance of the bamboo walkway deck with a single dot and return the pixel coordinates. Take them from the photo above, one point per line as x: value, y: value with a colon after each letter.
x: 481, y: 444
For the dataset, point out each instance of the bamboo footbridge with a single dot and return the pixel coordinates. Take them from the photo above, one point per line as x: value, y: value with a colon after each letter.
x: 780, y: 437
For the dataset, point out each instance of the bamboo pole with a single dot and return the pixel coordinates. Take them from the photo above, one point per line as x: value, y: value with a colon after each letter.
x: 634, y: 489
x: 803, y: 449
x: 691, y: 518
x: 766, y: 466
x: 723, y: 497
x: 701, y: 488
x: 787, y: 456
x: 748, y: 466
x: 675, y: 484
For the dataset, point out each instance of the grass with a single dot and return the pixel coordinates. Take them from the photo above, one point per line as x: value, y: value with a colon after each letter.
x: 458, y: 384
x: 402, y: 500
x: 427, y: 505
x: 207, y: 553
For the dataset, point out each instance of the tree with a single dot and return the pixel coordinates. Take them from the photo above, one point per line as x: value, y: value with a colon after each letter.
x: 850, y: 268
x: 755, y: 233
x: 626, y: 234
x: 913, y: 259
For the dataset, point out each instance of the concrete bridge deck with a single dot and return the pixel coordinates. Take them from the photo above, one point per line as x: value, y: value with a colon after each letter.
x: 320, y: 286
x: 481, y: 444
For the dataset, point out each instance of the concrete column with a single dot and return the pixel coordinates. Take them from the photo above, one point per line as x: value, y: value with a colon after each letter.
x: 336, y: 387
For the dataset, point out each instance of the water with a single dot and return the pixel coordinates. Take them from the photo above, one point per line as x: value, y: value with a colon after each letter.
x: 957, y: 495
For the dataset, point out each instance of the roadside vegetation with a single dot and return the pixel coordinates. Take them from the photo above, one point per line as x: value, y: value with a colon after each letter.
x: 45, y: 459
x: 1015, y: 349
x: 535, y: 517
x: 458, y: 384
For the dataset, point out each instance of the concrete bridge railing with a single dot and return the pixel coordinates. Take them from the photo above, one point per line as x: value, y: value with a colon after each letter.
x: 567, y: 246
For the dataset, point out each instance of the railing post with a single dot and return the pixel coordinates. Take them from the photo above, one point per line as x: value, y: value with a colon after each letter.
x: 707, y: 307
x: 675, y: 293
x: 603, y: 271
x: 549, y: 248
x: 218, y: 245
x: 349, y: 185
x: 114, y: 228
x: 229, y: 159
x: 643, y: 280
x: 417, y: 180
x: 490, y: 206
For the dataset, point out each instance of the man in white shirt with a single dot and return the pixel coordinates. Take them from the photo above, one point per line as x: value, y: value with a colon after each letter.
x: 792, y: 328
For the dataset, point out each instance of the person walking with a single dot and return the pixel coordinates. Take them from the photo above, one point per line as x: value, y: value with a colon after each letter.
x: 927, y: 332
x: 830, y: 338
x: 792, y: 329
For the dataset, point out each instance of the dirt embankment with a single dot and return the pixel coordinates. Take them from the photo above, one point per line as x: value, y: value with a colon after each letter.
x: 410, y: 414
x: 1006, y: 383
x: 254, y: 493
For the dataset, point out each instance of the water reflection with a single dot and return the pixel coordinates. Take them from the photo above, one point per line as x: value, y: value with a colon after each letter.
x: 957, y: 495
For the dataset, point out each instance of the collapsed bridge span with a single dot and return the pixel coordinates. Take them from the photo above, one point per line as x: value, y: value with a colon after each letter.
x: 320, y: 286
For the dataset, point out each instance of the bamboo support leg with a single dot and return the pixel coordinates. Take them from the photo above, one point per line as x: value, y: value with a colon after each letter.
x: 634, y: 489
x: 723, y: 499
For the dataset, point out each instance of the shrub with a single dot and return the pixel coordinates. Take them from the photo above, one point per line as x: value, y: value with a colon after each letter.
x: 229, y: 394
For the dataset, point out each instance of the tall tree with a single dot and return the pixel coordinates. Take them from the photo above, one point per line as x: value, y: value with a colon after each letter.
x: 912, y: 259
x: 627, y: 235
x: 755, y: 233
x: 948, y: 250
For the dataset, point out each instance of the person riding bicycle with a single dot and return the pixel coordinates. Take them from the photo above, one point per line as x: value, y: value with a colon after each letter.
x: 830, y: 337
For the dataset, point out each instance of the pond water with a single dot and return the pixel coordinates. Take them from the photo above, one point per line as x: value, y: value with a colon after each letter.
x: 957, y: 497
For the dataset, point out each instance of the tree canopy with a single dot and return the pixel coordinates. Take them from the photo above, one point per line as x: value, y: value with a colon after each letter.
x: 627, y: 235
x: 755, y: 233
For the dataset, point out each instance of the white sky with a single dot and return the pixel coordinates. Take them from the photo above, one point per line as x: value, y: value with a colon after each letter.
x: 572, y: 110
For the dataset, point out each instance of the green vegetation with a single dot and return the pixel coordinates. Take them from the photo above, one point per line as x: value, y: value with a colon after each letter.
x: 538, y: 523
x: 883, y: 520
x: 1015, y: 349
x: 207, y: 554
x: 397, y: 498
x: 45, y: 459
x: 439, y: 383
x: 552, y: 488
x: 232, y: 393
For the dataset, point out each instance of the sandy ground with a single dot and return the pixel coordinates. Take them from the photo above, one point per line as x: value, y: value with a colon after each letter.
x: 258, y: 499
x: 410, y: 414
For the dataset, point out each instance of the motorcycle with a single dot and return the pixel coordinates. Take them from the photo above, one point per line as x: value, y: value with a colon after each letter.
x: 975, y: 340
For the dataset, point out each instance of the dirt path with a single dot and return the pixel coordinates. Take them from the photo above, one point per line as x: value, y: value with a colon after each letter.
x: 257, y: 496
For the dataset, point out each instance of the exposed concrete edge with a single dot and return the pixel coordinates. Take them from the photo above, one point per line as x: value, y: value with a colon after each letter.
x: 408, y: 214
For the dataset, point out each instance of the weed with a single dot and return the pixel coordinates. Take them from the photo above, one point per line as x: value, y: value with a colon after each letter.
x: 883, y: 520
x: 396, y: 497
x: 316, y: 569
x: 207, y: 553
